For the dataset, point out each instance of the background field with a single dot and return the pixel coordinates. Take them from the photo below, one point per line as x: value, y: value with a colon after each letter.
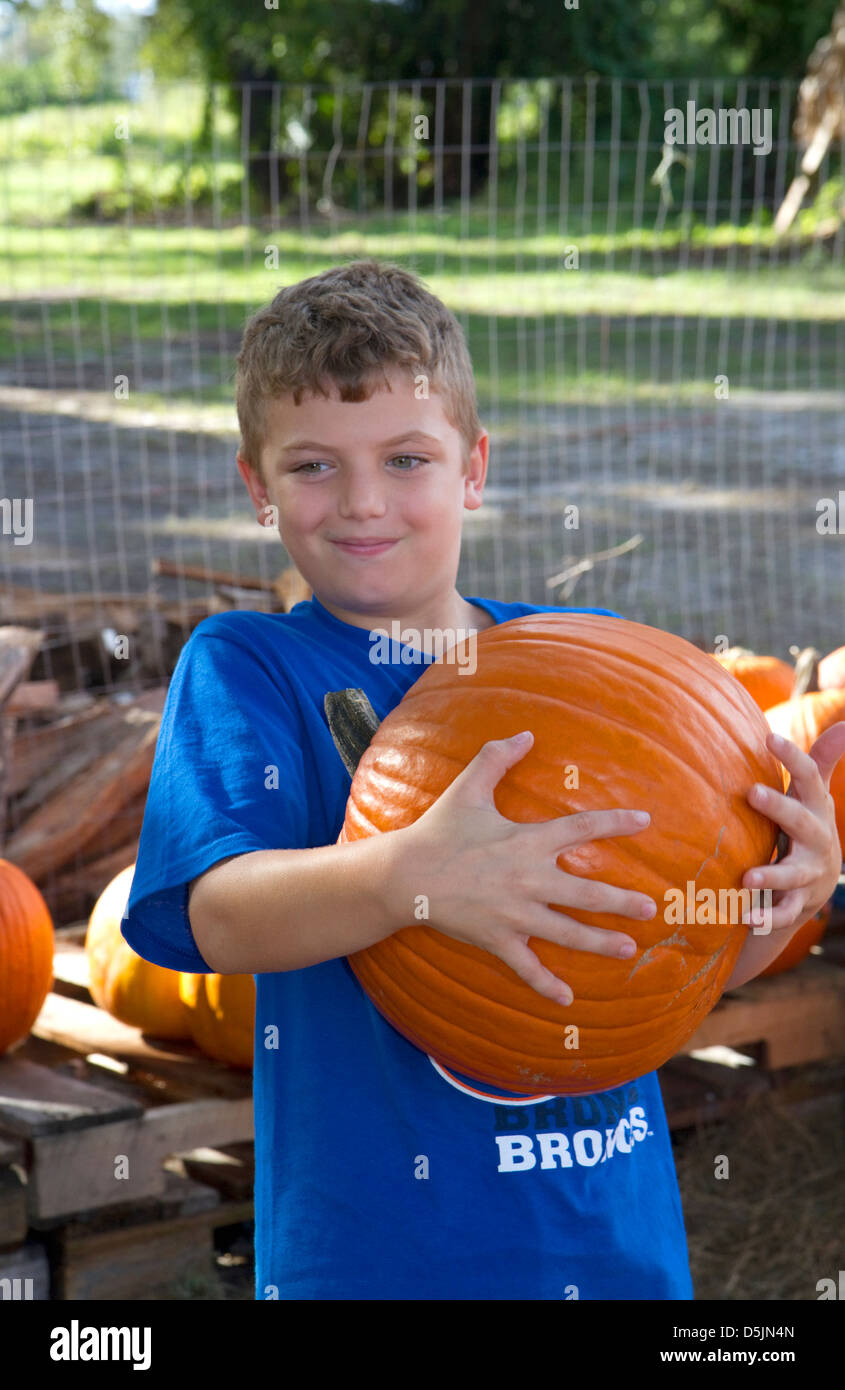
x: 597, y: 380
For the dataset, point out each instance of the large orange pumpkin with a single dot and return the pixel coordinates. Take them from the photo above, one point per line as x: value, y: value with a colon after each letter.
x: 767, y: 679
x: 124, y: 984
x: 221, y: 1013
x: 803, y: 720
x: 649, y: 721
x: 799, y: 945
x: 26, y: 954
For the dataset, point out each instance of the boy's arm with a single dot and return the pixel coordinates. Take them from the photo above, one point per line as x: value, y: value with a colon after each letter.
x: 284, y: 909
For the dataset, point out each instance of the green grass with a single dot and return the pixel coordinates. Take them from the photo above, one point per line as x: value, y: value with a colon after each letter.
x: 648, y: 314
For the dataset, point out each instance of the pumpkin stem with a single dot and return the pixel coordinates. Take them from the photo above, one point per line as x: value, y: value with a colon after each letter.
x: 352, y: 723
x: 806, y: 672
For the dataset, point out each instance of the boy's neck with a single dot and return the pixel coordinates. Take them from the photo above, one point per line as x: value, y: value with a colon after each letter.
x: 455, y: 615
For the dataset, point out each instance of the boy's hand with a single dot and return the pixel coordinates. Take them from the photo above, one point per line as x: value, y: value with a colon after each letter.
x: 489, y: 880
x: 807, y: 876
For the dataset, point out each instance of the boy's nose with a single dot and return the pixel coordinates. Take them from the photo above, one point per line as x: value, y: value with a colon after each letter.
x: 362, y: 498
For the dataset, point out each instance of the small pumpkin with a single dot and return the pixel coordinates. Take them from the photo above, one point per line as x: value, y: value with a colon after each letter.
x: 647, y: 720
x: 221, y: 1014
x: 803, y: 720
x: 799, y: 945
x: 767, y: 679
x: 136, y: 991
x: 26, y: 954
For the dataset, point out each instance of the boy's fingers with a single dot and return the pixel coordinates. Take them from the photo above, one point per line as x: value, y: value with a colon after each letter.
x: 788, y: 813
x: 810, y: 773
x: 596, y: 896
x: 522, y: 960
x: 550, y: 924
x: 567, y: 832
x: 483, y: 773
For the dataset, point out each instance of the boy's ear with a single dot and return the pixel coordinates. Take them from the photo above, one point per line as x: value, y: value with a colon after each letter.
x: 255, y: 487
x: 476, y: 472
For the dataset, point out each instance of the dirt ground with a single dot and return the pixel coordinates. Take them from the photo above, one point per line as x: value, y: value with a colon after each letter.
x: 724, y: 498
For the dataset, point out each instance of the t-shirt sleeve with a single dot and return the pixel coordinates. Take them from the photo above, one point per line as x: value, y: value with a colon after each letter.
x: 227, y: 778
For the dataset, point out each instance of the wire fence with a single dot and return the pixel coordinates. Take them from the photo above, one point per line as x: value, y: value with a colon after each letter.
x: 661, y: 375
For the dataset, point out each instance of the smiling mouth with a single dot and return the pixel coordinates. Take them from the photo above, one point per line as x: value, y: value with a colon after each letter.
x: 371, y: 547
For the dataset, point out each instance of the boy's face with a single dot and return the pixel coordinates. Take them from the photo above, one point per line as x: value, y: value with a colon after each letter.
x: 368, y: 475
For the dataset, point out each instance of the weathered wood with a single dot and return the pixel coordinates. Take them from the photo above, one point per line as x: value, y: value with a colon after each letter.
x: 799, y: 1015
x: 143, y: 1260
x: 45, y: 760
x: 18, y: 649
x: 202, y: 574
x: 230, y: 1170
x: 77, y: 815
x: 7, y: 744
x: 14, y: 1222
x: 35, y: 1101
x: 31, y: 696
x: 80, y: 1169
x: 289, y: 587
x: 11, y: 1151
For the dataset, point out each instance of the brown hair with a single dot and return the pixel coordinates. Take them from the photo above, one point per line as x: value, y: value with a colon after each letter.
x: 340, y: 328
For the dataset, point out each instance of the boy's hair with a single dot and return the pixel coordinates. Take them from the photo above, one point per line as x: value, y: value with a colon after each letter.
x: 343, y: 328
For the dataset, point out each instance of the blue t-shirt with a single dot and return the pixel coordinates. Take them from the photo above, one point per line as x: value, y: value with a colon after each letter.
x: 378, y: 1174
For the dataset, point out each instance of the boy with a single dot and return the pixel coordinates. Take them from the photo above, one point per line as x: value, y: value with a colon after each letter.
x: 380, y: 1175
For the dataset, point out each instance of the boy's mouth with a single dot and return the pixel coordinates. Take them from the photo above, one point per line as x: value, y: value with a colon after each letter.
x: 375, y: 545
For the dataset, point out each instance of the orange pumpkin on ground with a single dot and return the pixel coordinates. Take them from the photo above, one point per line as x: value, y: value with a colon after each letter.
x: 767, y: 679
x: 130, y: 988
x: 803, y: 720
x: 221, y: 1014
x: 26, y: 954
x: 646, y: 720
x: 799, y: 946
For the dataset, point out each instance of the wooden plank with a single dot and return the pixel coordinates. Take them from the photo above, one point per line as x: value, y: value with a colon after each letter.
x: 8, y: 726
x: 83, y: 1028
x: 18, y: 649
x: 230, y: 1170
x: 180, y: 1196
x: 74, y: 818
x: 112, y: 1163
x: 800, y: 1015
x: 14, y: 1221
x: 71, y: 745
x: 35, y: 1101
x: 48, y: 745
x: 11, y: 1151
x: 141, y: 1262
x: 31, y: 696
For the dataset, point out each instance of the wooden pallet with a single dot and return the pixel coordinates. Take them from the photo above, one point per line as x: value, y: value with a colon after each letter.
x: 119, y: 1154
x: 794, y: 1018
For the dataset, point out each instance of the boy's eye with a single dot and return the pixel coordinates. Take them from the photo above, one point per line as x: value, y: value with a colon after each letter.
x: 319, y: 463
x: 413, y: 457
